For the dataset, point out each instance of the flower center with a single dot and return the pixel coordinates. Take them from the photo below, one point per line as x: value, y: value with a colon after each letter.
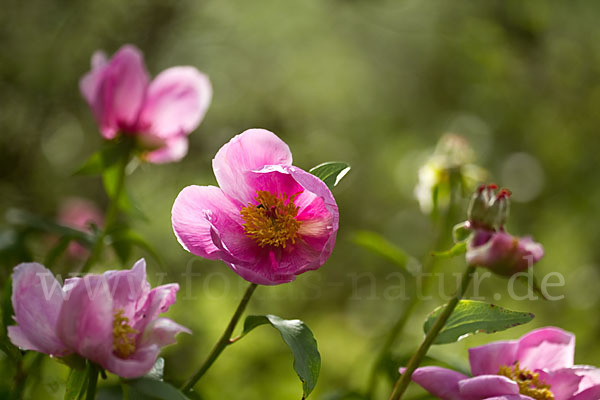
x: 529, y: 382
x: 123, y: 335
x: 271, y: 222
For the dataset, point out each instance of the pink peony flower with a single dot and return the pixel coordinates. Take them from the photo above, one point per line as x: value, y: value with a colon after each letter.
x: 538, y: 366
x: 111, y: 319
x: 79, y: 214
x: 502, y: 253
x: 269, y: 221
x: 160, y: 113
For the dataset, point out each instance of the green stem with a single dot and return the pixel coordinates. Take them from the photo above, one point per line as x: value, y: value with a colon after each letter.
x: 223, y: 342
x: 417, y: 358
x: 92, y: 382
x: 111, y: 217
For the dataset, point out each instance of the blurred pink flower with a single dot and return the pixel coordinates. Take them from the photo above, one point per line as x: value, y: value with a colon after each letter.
x: 269, y: 221
x: 79, y: 214
x: 538, y: 366
x: 502, y: 253
x: 111, y: 319
x: 160, y: 113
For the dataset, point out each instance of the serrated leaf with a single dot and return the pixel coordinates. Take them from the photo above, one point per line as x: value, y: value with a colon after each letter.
x: 300, y: 339
x: 154, y: 389
x: 76, y: 382
x: 331, y: 172
x: 471, y: 317
x: 457, y: 249
x: 379, y: 245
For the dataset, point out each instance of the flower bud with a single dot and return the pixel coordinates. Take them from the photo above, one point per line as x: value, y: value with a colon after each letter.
x: 503, y: 253
x: 449, y: 168
x: 489, y: 209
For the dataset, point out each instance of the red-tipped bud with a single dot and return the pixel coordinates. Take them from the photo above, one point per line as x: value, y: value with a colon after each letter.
x: 488, y: 209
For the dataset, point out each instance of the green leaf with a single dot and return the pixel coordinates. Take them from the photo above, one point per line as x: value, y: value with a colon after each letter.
x: 154, y: 389
x: 110, y: 179
x: 123, y: 250
x: 300, y: 339
x: 379, y: 245
x: 457, y: 249
x: 111, y: 153
x: 331, y: 172
x: 471, y: 317
x: 76, y: 383
x: 57, y: 251
x: 24, y: 218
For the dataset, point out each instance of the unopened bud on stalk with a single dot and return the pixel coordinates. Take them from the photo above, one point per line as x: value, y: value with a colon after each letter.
x: 489, y: 209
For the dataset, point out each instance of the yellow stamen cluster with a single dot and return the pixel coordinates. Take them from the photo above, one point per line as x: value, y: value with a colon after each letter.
x: 123, y: 335
x: 272, y: 221
x: 529, y: 382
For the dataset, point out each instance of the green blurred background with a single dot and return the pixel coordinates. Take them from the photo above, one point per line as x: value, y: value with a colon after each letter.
x: 374, y: 83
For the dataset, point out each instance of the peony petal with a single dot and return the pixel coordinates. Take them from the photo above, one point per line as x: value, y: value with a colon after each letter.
x: 592, y: 393
x: 85, y: 322
x: 115, y: 90
x: 487, y: 359
x: 161, y: 332
x: 158, y: 301
x: 173, y: 150
x: 318, y: 226
x: 195, y: 211
x: 510, y: 397
x: 440, y: 382
x: 138, y: 364
x: 128, y: 288
x: 19, y: 339
x: 90, y: 82
x: 503, y: 253
x: 563, y: 382
x: 546, y: 348
x: 484, y: 386
x: 590, y: 376
x: 251, y: 150
x: 37, y: 298
x: 175, y: 103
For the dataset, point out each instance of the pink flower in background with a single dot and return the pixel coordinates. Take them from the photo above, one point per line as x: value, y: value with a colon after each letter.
x: 111, y: 319
x: 160, y: 114
x: 503, y: 253
x: 538, y: 366
x: 79, y: 214
x: 269, y: 221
